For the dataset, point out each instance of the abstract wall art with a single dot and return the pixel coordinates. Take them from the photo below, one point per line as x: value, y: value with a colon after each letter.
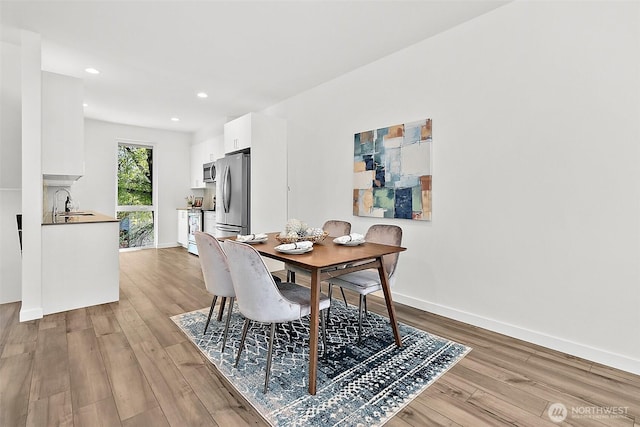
x: 392, y: 172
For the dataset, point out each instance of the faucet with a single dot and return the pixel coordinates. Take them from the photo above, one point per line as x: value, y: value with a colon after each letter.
x: 54, y: 211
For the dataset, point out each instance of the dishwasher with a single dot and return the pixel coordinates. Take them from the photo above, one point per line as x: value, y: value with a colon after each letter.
x: 209, y: 222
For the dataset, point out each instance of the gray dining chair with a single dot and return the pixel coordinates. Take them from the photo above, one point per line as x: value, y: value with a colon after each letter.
x: 335, y: 228
x: 217, y: 277
x: 367, y: 281
x: 260, y: 300
x: 19, y: 220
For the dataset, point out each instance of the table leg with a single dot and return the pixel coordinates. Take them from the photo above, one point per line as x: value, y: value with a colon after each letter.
x: 386, y: 289
x: 313, y: 330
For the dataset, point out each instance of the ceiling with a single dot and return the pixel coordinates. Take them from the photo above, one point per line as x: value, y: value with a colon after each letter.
x: 155, y: 56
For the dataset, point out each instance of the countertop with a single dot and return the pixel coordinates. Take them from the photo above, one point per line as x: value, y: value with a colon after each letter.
x: 196, y: 209
x: 93, y: 217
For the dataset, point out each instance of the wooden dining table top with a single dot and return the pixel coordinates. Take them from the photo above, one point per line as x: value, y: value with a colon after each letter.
x: 326, y: 253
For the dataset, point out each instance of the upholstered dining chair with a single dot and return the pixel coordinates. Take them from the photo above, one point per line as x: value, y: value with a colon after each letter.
x: 217, y: 277
x: 367, y: 281
x: 335, y: 228
x: 261, y: 300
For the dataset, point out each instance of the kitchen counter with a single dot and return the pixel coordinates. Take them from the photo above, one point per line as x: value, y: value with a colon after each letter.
x: 80, y: 264
x: 81, y: 217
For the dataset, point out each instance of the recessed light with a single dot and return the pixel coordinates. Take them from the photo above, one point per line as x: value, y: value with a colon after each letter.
x: 92, y: 71
x: 84, y: 104
x: 202, y: 95
x: 175, y: 119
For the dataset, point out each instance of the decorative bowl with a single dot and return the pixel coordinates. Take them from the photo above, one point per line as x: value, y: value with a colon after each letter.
x: 314, y: 239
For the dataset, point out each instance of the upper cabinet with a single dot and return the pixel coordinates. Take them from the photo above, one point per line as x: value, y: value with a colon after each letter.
x: 214, y: 148
x: 198, y: 158
x: 237, y: 133
x: 209, y: 150
x: 62, y: 128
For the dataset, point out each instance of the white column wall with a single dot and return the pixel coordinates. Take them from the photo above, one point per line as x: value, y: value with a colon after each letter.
x: 10, y: 172
x: 31, y: 176
x: 535, y: 229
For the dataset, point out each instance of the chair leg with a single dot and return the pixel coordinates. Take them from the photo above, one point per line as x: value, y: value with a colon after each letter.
x: 291, y: 276
x: 290, y: 331
x: 284, y: 330
x: 329, y: 292
x: 344, y: 297
x: 360, y: 319
x: 226, y: 325
x: 366, y: 310
x: 324, y: 335
x: 221, y: 310
x: 213, y: 303
x: 270, y: 354
x: 245, y: 328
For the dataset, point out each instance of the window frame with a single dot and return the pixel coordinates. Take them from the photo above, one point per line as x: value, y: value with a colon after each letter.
x: 154, y: 189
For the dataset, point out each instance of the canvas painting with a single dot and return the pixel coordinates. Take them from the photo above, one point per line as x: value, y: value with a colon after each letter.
x: 392, y: 172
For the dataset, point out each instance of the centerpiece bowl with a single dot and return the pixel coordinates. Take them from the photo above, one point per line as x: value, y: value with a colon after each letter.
x: 292, y: 239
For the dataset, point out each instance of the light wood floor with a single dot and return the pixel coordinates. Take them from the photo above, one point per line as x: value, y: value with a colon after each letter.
x: 127, y: 364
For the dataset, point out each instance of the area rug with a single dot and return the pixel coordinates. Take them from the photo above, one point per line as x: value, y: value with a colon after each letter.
x: 358, y: 384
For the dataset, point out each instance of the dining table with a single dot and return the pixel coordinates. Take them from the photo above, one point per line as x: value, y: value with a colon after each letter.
x: 329, y: 259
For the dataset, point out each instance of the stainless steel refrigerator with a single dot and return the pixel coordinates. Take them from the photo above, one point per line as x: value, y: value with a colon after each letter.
x: 233, y: 195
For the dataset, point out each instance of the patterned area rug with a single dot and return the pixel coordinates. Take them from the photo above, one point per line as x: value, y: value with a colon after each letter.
x: 358, y: 384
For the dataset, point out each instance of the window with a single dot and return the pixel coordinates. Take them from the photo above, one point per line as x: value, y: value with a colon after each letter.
x: 136, y: 208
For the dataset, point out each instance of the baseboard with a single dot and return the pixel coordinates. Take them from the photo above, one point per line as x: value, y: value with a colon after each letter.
x: 31, y: 314
x: 168, y: 245
x: 593, y: 354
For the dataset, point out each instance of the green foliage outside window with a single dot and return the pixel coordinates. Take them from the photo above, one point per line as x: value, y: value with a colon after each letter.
x: 135, y: 167
x: 136, y: 229
x: 134, y: 176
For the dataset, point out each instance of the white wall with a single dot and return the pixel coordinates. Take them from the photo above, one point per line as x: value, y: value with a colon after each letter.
x: 535, y: 231
x: 10, y: 172
x: 96, y: 190
x: 31, y: 155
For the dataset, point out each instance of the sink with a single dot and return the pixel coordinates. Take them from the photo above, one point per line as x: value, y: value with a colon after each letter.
x: 77, y: 213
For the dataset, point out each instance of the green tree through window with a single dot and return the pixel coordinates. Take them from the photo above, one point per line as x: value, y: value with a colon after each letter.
x: 135, y: 195
x: 134, y: 175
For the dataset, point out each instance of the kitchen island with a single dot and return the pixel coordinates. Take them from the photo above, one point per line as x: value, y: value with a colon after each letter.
x: 80, y: 264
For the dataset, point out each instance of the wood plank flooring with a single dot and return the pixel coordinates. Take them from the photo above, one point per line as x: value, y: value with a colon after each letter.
x: 127, y: 364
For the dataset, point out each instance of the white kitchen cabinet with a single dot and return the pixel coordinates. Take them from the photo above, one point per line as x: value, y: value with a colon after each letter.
x: 62, y: 127
x: 198, y: 158
x: 183, y: 227
x: 209, y: 222
x: 214, y: 148
x: 80, y: 265
x: 238, y: 133
x: 204, y: 152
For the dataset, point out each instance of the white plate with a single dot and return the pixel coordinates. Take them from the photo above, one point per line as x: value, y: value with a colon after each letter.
x: 294, y: 251
x: 351, y: 243
x: 251, y: 242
